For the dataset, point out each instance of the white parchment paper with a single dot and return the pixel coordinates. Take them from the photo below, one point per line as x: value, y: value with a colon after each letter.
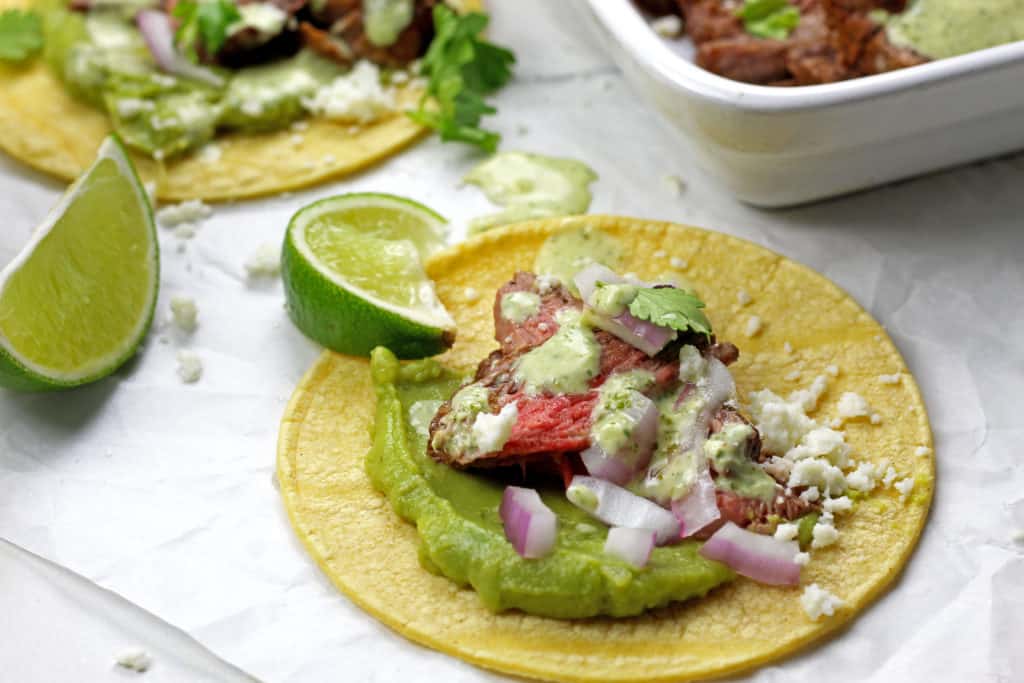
x: 163, y: 491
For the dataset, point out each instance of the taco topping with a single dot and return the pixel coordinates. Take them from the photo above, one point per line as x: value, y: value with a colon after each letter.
x: 648, y: 413
x: 171, y: 74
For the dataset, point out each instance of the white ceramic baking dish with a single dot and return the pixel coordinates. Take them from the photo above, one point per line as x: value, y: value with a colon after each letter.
x: 783, y: 146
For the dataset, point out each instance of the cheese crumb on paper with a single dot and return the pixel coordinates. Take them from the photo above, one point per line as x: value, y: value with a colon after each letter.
x: 264, y: 262
x: 191, y: 211
x: 184, y: 313
x: 134, y: 659
x: 190, y: 366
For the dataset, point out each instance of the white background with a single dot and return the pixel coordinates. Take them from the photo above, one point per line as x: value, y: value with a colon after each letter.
x: 163, y: 492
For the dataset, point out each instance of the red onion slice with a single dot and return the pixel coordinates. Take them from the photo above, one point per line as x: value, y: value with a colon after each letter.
x: 530, y: 525
x: 632, y: 545
x: 698, y: 507
x: 158, y: 33
x: 762, y: 558
x: 586, y: 280
x: 615, y: 506
x: 621, y: 466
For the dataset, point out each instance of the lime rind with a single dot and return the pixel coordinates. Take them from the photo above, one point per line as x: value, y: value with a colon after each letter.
x: 21, y: 373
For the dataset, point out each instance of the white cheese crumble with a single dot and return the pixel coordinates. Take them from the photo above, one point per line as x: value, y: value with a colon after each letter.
x: 297, y: 139
x: 661, y: 253
x: 668, y: 26
x: 264, y: 262
x: 470, y: 294
x: 185, y: 231
x: 802, y: 559
x: 890, y: 476
x: 677, y: 263
x: 786, y: 531
x: 904, y: 486
x: 743, y: 298
x: 753, y: 326
x: 134, y: 659
x: 811, y: 494
x: 841, y: 504
x: 863, y: 478
x: 357, y: 96
x: 300, y: 126
x: 546, y: 283
x: 819, y: 473
x: 210, y: 153
x: 130, y: 107
x: 922, y: 451
x: 184, y: 313
x: 674, y: 184
x: 852, y: 405
x: 1017, y: 536
x: 189, y: 211
x: 889, y: 379
x: 787, y: 347
x: 490, y: 432
x: 824, y: 535
x: 792, y: 376
x: 818, y: 602
x: 190, y: 366
x: 832, y: 370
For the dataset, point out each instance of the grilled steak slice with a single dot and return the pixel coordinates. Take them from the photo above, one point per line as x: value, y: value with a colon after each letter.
x: 344, y: 39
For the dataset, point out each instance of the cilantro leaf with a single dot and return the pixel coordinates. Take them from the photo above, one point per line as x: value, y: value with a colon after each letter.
x: 671, y: 307
x: 461, y: 69
x: 205, y: 23
x: 774, y: 19
x: 21, y: 35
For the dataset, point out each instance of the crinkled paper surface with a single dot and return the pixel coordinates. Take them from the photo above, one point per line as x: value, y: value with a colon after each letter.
x: 163, y: 492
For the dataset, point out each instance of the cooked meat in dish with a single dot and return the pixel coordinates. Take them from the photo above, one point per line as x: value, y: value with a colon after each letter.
x: 834, y: 40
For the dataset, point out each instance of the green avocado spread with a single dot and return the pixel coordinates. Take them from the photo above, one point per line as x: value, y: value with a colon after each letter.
x: 462, y: 536
x: 946, y: 28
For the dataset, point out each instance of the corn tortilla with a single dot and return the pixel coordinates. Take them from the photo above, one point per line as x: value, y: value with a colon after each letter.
x: 44, y: 126
x: 371, y: 555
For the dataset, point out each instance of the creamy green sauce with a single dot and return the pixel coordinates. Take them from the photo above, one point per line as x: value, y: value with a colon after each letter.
x: 736, y: 472
x: 531, y: 186
x: 518, y: 306
x: 612, y: 300
x: 565, y: 363
x: 385, y: 19
x: 674, y: 467
x: 467, y: 403
x: 568, y: 252
x: 946, y: 28
x: 456, y: 517
x: 612, y: 424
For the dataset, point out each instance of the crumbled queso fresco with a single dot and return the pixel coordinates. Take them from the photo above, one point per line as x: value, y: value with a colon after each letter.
x: 184, y: 313
x: 264, y: 262
x: 134, y: 659
x: 357, y: 96
x: 818, y: 602
x: 190, y: 366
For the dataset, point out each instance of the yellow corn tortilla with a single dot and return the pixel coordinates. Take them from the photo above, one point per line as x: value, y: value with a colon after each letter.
x: 371, y: 555
x: 43, y: 125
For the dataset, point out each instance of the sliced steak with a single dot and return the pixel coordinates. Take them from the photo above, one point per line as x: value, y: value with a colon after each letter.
x: 340, y: 22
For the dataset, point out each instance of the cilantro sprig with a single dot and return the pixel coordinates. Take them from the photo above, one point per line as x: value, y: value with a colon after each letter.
x: 21, y: 35
x: 461, y: 69
x: 671, y: 307
x: 774, y: 19
x: 203, y: 22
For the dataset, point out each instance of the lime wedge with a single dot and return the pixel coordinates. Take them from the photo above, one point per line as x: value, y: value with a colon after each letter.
x: 77, y: 301
x: 353, y: 274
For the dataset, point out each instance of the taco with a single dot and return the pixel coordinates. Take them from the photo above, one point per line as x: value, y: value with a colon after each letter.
x: 297, y: 92
x: 510, y: 502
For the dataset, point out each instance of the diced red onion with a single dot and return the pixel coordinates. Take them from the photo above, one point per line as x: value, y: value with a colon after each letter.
x: 632, y: 545
x: 765, y: 559
x: 620, y: 467
x: 158, y: 33
x: 615, y: 506
x: 586, y: 280
x: 698, y: 507
x: 530, y: 525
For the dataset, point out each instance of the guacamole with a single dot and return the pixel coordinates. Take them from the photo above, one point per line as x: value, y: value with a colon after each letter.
x: 462, y: 536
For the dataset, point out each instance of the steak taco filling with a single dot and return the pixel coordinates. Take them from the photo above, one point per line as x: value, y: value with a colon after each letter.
x: 599, y: 460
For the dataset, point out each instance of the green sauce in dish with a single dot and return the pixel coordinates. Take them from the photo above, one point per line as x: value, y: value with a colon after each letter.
x: 946, y: 28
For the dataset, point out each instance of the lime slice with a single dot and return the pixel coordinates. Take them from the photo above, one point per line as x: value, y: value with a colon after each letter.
x: 353, y: 274
x: 77, y: 301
